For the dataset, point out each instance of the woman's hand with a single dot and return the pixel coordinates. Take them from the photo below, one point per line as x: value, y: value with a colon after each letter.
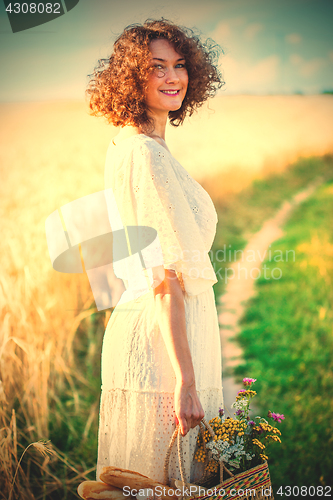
x: 170, y: 314
x: 189, y: 412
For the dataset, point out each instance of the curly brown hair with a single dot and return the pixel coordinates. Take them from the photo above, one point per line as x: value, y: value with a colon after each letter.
x: 118, y: 86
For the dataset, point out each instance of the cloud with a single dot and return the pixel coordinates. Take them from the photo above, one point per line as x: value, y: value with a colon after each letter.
x: 252, y: 30
x: 264, y: 71
x: 221, y: 32
x: 247, y: 76
x: 295, y: 59
x: 227, y: 28
x: 293, y: 38
x: 307, y: 67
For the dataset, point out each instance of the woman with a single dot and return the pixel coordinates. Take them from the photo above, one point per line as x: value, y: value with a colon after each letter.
x: 161, y: 361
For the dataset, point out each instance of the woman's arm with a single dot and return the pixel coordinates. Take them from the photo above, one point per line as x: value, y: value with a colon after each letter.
x: 170, y: 312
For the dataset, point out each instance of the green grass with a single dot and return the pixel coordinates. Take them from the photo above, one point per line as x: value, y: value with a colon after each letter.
x: 242, y: 214
x: 288, y: 346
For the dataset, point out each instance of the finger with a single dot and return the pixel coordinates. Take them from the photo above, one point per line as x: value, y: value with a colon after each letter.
x: 195, y: 423
x: 183, y: 426
x: 201, y: 412
x: 197, y: 418
x: 198, y: 413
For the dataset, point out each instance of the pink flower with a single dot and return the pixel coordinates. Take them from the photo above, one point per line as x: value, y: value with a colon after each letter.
x: 277, y: 417
x: 242, y: 390
x: 249, y: 381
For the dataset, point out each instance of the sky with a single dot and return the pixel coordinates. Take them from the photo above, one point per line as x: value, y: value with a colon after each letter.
x: 270, y: 46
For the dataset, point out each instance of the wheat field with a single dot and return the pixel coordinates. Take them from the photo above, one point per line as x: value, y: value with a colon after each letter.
x: 53, y: 153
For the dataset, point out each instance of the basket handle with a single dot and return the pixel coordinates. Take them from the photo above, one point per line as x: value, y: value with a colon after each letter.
x: 176, y: 433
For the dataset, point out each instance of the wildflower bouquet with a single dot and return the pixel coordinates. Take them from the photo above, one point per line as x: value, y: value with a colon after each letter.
x: 239, y: 442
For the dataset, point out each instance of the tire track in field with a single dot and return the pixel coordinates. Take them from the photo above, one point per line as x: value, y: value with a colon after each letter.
x: 241, y: 287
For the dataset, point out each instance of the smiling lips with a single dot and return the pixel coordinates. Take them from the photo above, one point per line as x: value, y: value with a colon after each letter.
x: 170, y: 92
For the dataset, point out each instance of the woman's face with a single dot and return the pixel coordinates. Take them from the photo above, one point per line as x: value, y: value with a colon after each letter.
x: 168, y: 83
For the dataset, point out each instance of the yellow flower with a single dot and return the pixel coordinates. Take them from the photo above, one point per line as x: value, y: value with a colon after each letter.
x: 248, y: 392
x: 274, y: 438
x: 259, y: 444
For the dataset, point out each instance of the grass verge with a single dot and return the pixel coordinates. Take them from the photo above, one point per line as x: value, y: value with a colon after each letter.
x: 288, y: 346
x: 241, y: 215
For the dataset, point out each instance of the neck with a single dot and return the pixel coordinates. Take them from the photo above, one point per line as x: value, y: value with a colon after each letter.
x: 158, y: 131
x: 159, y: 124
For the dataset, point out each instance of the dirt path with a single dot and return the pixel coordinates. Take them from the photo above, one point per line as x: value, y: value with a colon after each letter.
x: 241, y: 287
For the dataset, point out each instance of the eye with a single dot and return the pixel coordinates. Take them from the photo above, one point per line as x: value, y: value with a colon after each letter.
x: 180, y: 65
x: 159, y: 67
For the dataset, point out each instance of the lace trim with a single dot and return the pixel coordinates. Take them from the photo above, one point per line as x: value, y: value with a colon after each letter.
x: 131, y: 391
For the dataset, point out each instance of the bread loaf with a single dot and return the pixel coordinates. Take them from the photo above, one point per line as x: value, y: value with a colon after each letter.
x: 91, y: 490
x: 122, y: 478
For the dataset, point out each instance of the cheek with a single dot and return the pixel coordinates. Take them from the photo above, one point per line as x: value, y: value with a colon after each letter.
x: 152, y: 89
x: 185, y: 82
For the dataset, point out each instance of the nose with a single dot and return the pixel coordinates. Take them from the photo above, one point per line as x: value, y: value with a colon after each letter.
x: 171, y: 76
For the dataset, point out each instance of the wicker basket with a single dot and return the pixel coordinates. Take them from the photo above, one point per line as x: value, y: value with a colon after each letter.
x: 252, y: 484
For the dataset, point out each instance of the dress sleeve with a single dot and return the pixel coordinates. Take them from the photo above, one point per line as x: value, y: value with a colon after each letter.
x: 153, y: 196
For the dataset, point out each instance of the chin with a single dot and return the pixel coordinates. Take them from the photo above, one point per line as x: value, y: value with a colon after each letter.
x: 175, y: 107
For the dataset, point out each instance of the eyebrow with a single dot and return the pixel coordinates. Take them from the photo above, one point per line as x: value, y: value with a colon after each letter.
x: 163, y: 60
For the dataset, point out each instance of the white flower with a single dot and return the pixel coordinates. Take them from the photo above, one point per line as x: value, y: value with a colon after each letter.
x: 230, y: 454
x: 241, y: 404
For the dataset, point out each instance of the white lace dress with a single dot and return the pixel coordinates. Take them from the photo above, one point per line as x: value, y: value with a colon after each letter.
x: 137, y: 415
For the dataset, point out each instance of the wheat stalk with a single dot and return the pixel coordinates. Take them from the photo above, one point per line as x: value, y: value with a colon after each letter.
x: 43, y: 447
